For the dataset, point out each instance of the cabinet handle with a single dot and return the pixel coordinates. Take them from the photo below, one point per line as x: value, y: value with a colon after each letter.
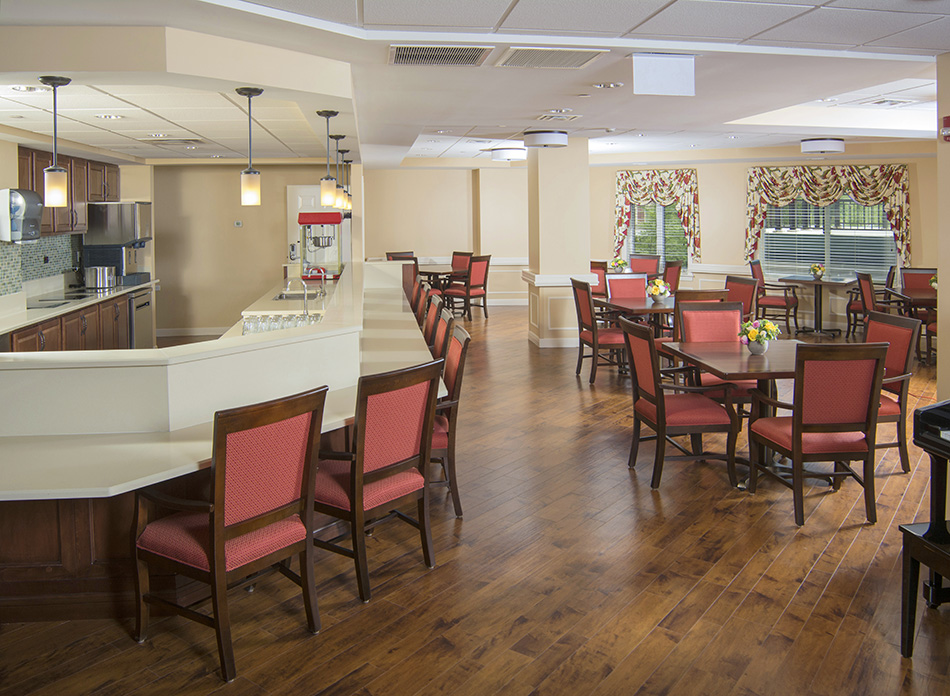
x: 42, y: 340
x: 115, y: 308
x: 84, y: 325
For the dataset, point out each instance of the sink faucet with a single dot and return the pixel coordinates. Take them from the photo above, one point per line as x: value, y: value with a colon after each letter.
x: 287, y: 289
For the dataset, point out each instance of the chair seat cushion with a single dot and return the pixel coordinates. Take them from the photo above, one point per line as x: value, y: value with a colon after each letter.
x: 184, y: 537
x: 460, y: 291
x: 777, y: 301
x: 932, y: 329
x: 779, y: 431
x: 856, y: 307
x: 435, y: 291
x: 686, y: 410
x: 333, y: 482
x: 440, y: 433
x: 889, y: 407
x: 741, y: 390
x: 605, y: 337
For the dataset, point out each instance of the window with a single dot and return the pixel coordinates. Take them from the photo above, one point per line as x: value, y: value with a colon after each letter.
x: 845, y: 236
x: 656, y: 229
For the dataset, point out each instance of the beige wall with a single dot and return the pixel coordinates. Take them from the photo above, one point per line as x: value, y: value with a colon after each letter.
x: 942, y: 247
x: 210, y: 269
x: 9, y: 173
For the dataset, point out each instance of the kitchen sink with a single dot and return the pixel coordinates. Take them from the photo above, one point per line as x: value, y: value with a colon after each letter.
x: 291, y: 296
x: 45, y: 304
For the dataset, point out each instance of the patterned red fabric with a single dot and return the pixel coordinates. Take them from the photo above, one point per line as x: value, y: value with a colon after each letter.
x: 605, y: 337
x: 333, y: 484
x: 440, y: 337
x: 436, y: 292
x: 460, y: 262
x: 836, y: 391
x: 478, y: 272
x: 685, y: 410
x: 600, y: 287
x: 742, y: 292
x: 185, y: 537
x: 440, y: 433
x: 899, y: 345
x: 627, y: 286
x: 432, y: 316
x: 758, y: 275
x: 643, y: 365
x: 916, y: 280
x: 777, y: 301
x: 888, y: 407
x: 582, y: 297
x: 452, y: 361
x: 671, y: 274
x: 456, y: 291
x: 741, y: 390
x: 676, y: 187
x: 867, y: 294
x: 714, y: 325
x: 393, y: 428
x: 932, y: 328
x: 264, y: 468
x: 779, y: 431
x: 648, y: 266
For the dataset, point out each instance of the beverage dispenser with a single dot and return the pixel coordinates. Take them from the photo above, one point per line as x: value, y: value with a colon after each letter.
x: 20, y: 213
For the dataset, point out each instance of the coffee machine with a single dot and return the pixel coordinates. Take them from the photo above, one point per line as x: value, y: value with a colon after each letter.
x: 20, y: 214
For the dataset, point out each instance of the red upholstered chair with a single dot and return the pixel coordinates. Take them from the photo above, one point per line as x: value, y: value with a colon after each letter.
x: 683, y: 411
x: 447, y: 413
x: 590, y: 334
x: 855, y: 310
x: 416, y: 297
x: 392, y: 442
x: 260, y: 514
x: 834, y: 419
x: 671, y: 274
x: 627, y: 285
x: 599, y: 269
x: 428, y: 292
x: 461, y: 260
x: 443, y: 332
x: 432, y: 320
x: 919, y: 279
x: 744, y: 290
x: 644, y: 263
x: 782, y: 300
x: 689, y: 295
x: 901, y: 334
x: 931, y: 351
x: 475, y: 287
x: 397, y: 255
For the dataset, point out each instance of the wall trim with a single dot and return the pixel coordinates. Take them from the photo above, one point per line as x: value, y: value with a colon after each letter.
x: 513, y: 301
x: 554, y: 280
x: 719, y: 268
x: 552, y: 342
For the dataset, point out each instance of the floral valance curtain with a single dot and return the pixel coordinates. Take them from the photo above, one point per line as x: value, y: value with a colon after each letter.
x: 821, y: 186
x: 663, y: 186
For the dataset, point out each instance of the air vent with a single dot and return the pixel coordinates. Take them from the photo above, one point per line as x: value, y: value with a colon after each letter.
x: 558, y: 117
x: 884, y: 102
x: 172, y: 141
x: 438, y: 55
x: 536, y: 57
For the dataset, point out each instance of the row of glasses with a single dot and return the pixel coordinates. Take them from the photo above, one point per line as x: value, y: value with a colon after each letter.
x: 261, y: 323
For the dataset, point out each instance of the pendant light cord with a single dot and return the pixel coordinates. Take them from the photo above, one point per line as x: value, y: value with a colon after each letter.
x: 249, y: 151
x: 54, y: 125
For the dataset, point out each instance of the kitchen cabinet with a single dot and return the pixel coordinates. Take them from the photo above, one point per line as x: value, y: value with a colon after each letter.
x: 41, y: 160
x: 79, y: 194
x: 81, y: 329
x: 97, y: 182
x: 114, y: 323
x: 88, y: 182
x: 112, y: 182
x: 39, y: 337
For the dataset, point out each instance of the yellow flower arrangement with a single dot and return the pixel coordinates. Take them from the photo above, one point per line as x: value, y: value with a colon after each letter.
x: 758, y: 331
x: 658, y: 288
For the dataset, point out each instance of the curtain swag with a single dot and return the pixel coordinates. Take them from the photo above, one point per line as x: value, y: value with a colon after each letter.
x: 663, y: 186
x: 821, y: 186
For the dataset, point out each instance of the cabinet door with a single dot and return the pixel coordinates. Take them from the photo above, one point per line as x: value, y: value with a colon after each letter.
x: 90, y: 328
x: 107, y: 325
x: 122, y: 322
x: 114, y: 323
x: 97, y: 182
x: 25, y: 168
x: 112, y: 182
x: 72, y: 331
x: 42, y: 160
x: 79, y: 184
x: 24, y: 340
x: 51, y: 335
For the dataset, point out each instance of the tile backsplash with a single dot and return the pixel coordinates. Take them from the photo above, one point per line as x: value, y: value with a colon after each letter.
x: 48, y: 256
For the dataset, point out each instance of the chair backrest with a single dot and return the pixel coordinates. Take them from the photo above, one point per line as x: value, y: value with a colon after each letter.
x: 478, y: 272
x: 455, y: 363
x: 393, y: 428
x: 644, y: 364
x: 891, y: 277
x: 671, y: 274
x: 644, y: 263
x: 627, y: 285
x: 432, y: 319
x: 461, y: 260
x: 416, y: 297
x: 397, y: 255
x: 423, y: 305
x: 708, y: 321
x: 744, y: 290
x: 756, y: 267
x: 866, y: 288
x: 599, y: 269
x: 584, y: 304
x: 443, y: 332
x: 917, y: 278
x: 837, y: 388
x: 410, y: 272
x: 690, y: 295
x: 264, y: 461
x: 900, y: 334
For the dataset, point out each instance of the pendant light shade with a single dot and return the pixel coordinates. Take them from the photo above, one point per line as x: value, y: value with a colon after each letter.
x: 339, y: 194
x: 55, y: 178
x: 250, y: 177
x: 545, y: 138
x: 348, y: 197
x: 327, y: 183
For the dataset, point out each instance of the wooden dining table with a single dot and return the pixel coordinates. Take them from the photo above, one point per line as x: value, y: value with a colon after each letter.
x: 819, y: 284
x: 638, y: 306
x: 440, y: 274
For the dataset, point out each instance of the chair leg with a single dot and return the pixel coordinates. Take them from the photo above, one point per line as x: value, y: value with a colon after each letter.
x: 696, y: 443
x: 141, y: 589
x: 594, y: 359
x: 359, y: 556
x: 902, y: 443
x: 731, y: 458
x: 756, y: 454
x: 468, y: 307
x: 485, y: 306
x: 308, y: 584
x: 909, y: 583
x: 798, y: 492
x: 795, y: 317
x: 453, y: 481
x: 869, y: 497
x: 425, y: 531
x: 222, y: 625
x: 580, y: 357
x: 658, y: 459
x: 634, y: 444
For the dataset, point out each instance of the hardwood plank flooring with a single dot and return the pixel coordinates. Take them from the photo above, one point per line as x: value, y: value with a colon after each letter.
x: 567, y: 575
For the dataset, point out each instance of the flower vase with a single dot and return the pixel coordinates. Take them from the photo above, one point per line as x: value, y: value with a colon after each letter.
x: 817, y: 276
x: 658, y: 298
x: 757, y: 348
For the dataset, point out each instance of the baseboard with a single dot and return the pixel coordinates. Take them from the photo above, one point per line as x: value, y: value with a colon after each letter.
x: 552, y: 342
x: 513, y: 301
x: 212, y: 331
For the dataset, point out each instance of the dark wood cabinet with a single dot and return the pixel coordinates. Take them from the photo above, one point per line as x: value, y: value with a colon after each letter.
x: 89, y: 182
x: 79, y: 185
x: 39, y: 337
x: 81, y: 329
x: 41, y: 160
x: 112, y: 183
x: 97, y: 182
x: 114, y: 323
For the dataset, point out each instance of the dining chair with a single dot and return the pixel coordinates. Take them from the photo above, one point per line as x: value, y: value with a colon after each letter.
x: 386, y: 465
x: 919, y: 279
x: 443, y: 333
x: 931, y: 332
x: 431, y: 323
x: 259, y: 515
x: 744, y: 290
x: 590, y: 334
x: 784, y: 299
x: 685, y: 410
x: 461, y: 260
x: 398, y: 255
x: 416, y: 297
x: 447, y: 413
x: 855, y: 307
x: 834, y: 419
x: 428, y: 292
x: 599, y: 269
x: 474, y: 288
x: 671, y: 331
x: 644, y: 263
x: 627, y: 285
x: 901, y: 335
x: 872, y: 301
x: 671, y: 274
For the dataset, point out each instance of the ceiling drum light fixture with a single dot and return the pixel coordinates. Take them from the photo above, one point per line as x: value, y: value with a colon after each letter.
x: 339, y: 196
x: 327, y: 183
x: 545, y: 138
x: 822, y: 146
x: 250, y: 177
x: 55, y: 178
x: 508, y: 154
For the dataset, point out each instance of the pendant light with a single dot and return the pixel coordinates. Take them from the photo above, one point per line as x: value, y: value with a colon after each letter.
x: 250, y: 177
x: 339, y: 195
x: 327, y: 183
x: 348, y: 205
x: 55, y: 178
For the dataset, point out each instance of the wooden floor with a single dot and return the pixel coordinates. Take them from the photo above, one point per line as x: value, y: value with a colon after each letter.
x: 568, y: 575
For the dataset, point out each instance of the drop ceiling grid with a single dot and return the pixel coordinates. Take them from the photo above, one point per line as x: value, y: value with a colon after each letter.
x: 612, y: 17
x: 483, y: 14
x: 934, y: 36
x: 854, y: 26
x: 717, y: 19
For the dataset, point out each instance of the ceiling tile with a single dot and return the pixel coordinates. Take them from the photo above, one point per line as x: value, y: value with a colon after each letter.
x: 837, y: 25
x: 190, y: 100
x: 484, y: 14
x: 613, y: 17
x: 340, y: 11
x: 932, y: 6
x: 717, y: 19
x: 931, y: 37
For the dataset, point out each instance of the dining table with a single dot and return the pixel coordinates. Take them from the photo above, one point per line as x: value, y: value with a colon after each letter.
x: 917, y: 298
x: 818, y: 284
x: 440, y: 274
x: 638, y: 306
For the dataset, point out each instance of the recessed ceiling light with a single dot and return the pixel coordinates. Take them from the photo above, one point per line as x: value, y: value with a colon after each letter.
x: 432, y: 141
x: 829, y: 99
x: 694, y: 145
x: 611, y: 144
x: 109, y: 117
x: 443, y: 132
x: 640, y: 135
x: 610, y: 130
x: 158, y: 135
x: 191, y: 147
x: 560, y: 111
x: 215, y: 156
x: 582, y: 96
x: 607, y: 85
x: 733, y: 137
x: 29, y: 88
